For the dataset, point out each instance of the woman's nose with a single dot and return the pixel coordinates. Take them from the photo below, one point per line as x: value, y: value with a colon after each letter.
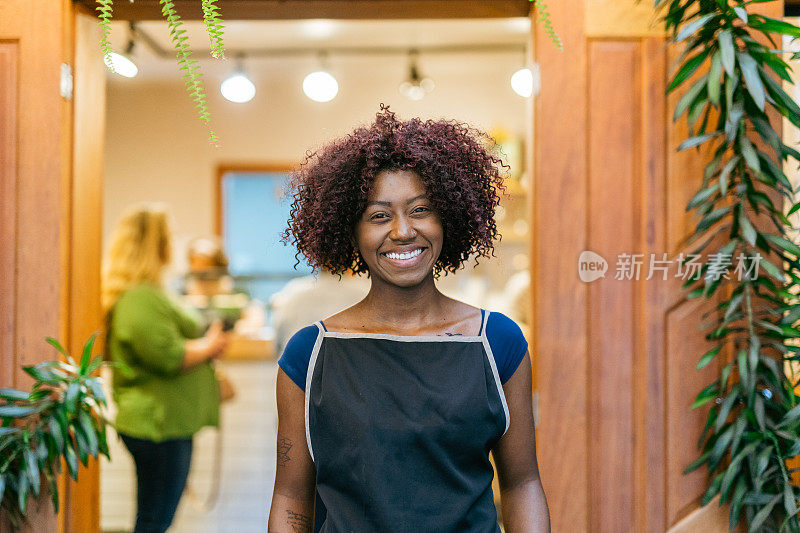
x: 402, y: 229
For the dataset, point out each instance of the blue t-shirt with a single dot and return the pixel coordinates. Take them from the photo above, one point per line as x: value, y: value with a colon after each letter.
x: 504, y: 335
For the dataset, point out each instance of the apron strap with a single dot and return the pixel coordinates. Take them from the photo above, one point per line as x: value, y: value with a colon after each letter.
x: 487, y: 348
x: 309, y: 375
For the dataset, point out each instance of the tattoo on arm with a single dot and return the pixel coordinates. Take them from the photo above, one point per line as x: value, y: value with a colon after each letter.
x: 298, y: 521
x: 284, y: 445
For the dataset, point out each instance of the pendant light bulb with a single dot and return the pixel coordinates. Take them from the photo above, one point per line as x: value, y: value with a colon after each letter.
x: 121, y: 65
x: 522, y: 82
x: 320, y: 86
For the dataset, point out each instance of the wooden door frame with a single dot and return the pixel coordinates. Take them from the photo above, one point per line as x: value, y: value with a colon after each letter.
x: 82, y: 500
x: 244, y: 167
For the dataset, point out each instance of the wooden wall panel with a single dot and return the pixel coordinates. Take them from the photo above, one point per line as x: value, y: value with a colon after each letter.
x: 613, y: 201
x: 82, y: 514
x: 40, y: 145
x: 684, y: 343
x: 558, y: 236
x: 9, y: 58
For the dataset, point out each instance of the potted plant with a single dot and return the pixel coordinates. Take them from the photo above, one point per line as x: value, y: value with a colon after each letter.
x: 62, y: 416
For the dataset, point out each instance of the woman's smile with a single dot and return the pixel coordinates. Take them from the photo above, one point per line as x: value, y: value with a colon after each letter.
x: 405, y: 258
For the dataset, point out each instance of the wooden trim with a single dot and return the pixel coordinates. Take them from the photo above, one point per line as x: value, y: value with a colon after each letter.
x: 225, y: 168
x: 328, y: 9
x: 9, y: 95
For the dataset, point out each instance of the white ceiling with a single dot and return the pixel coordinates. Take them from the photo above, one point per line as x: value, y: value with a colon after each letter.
x: 320, y: 34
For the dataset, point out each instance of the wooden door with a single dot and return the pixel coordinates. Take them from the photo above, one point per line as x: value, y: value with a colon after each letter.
x: 34, y: 178
x: 50, y: 205
x: 615, y: 358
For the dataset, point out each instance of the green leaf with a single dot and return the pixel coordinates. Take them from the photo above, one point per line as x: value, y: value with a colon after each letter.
x: 748, y: 231
x: 713, y: 217
x: 752, y: 80
x: 713, y: 489
x: 727, y: 52
x: 792, y: 416
x: 705, y: 395
x: 758, y: 410
x: 71, y: 397
x: 61, y: 349
x: 736, y: 502
x: 86, y: 357
x: 763, y: 513
x: 726, y: 406
x: 733, y: 469
x: 771, y: 269
x: 688, y: 68
x: 89, y: 434
x: 749, y: 153
x: 97, y: 389
x: 32, y: 470
x: 56, y: 433
x: 771, y: 25
x: 789, y: 500
x: 15, y: 411
x: 714, y: 82
x: 708, y: 356
x: 701, y: 196
x: 697, y: 463
x: 72, y: 460
x: 724, y: 176
x: 688, y: 98
x: 693, y: 27
x: 794, y: 209
x: 13, y: 394
x: 785, y: 244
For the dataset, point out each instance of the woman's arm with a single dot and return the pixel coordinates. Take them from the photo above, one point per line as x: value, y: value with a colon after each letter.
x: 292, y: 508
x: 524, y: 506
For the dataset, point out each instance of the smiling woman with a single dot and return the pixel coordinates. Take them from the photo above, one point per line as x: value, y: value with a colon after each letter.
x: 400, y: 398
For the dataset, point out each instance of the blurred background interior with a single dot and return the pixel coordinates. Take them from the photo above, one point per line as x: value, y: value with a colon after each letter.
x: 231, y: 199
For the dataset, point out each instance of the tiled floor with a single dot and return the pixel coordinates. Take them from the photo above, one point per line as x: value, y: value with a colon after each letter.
x: 248, y: 431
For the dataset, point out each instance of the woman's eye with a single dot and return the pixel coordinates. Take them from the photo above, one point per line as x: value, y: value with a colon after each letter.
x: 377, y: 216
x: 420, y: 209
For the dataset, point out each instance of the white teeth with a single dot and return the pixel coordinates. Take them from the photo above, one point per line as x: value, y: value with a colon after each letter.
x: 404, y: 255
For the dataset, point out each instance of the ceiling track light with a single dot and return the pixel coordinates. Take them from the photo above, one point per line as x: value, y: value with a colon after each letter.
x: 320, y: 85
x: 415, y: 87
x: 237, y: 87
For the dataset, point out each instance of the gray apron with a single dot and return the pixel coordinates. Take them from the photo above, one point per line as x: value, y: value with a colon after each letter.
x: 400, y: 429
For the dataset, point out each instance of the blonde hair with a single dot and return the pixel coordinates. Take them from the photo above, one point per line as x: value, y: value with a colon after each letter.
x: 139, y: 249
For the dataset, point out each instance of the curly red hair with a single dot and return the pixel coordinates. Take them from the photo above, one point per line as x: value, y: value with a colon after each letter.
x: 331, y: 187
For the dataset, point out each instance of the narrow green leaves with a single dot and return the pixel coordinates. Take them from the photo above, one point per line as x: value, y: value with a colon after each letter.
x: 688, y: 68
x: 727, y: 52
x: 752, y: 79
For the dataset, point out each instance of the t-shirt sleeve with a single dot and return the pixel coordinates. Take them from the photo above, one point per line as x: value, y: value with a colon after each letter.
x: 507, y: 342
x: 297, y: 353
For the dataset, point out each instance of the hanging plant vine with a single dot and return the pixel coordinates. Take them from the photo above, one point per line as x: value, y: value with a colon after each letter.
x: 192, y: 77
x: 753, y: 421
x: 543, y: 16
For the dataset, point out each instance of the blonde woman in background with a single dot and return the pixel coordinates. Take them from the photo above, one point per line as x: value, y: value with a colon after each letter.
x: 165, y: 388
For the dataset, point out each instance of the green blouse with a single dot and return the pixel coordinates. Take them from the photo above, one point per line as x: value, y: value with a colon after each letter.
x: 156, y: 399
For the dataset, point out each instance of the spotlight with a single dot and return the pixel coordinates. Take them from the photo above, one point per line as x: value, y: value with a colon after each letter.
x: 238, y: 88
x: 121, y: 65
x: 525, y: 81
x: 320, y: 86
x: 415, y: 87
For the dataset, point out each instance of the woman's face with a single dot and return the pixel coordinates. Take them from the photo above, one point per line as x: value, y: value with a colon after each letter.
x: 399, y: 234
